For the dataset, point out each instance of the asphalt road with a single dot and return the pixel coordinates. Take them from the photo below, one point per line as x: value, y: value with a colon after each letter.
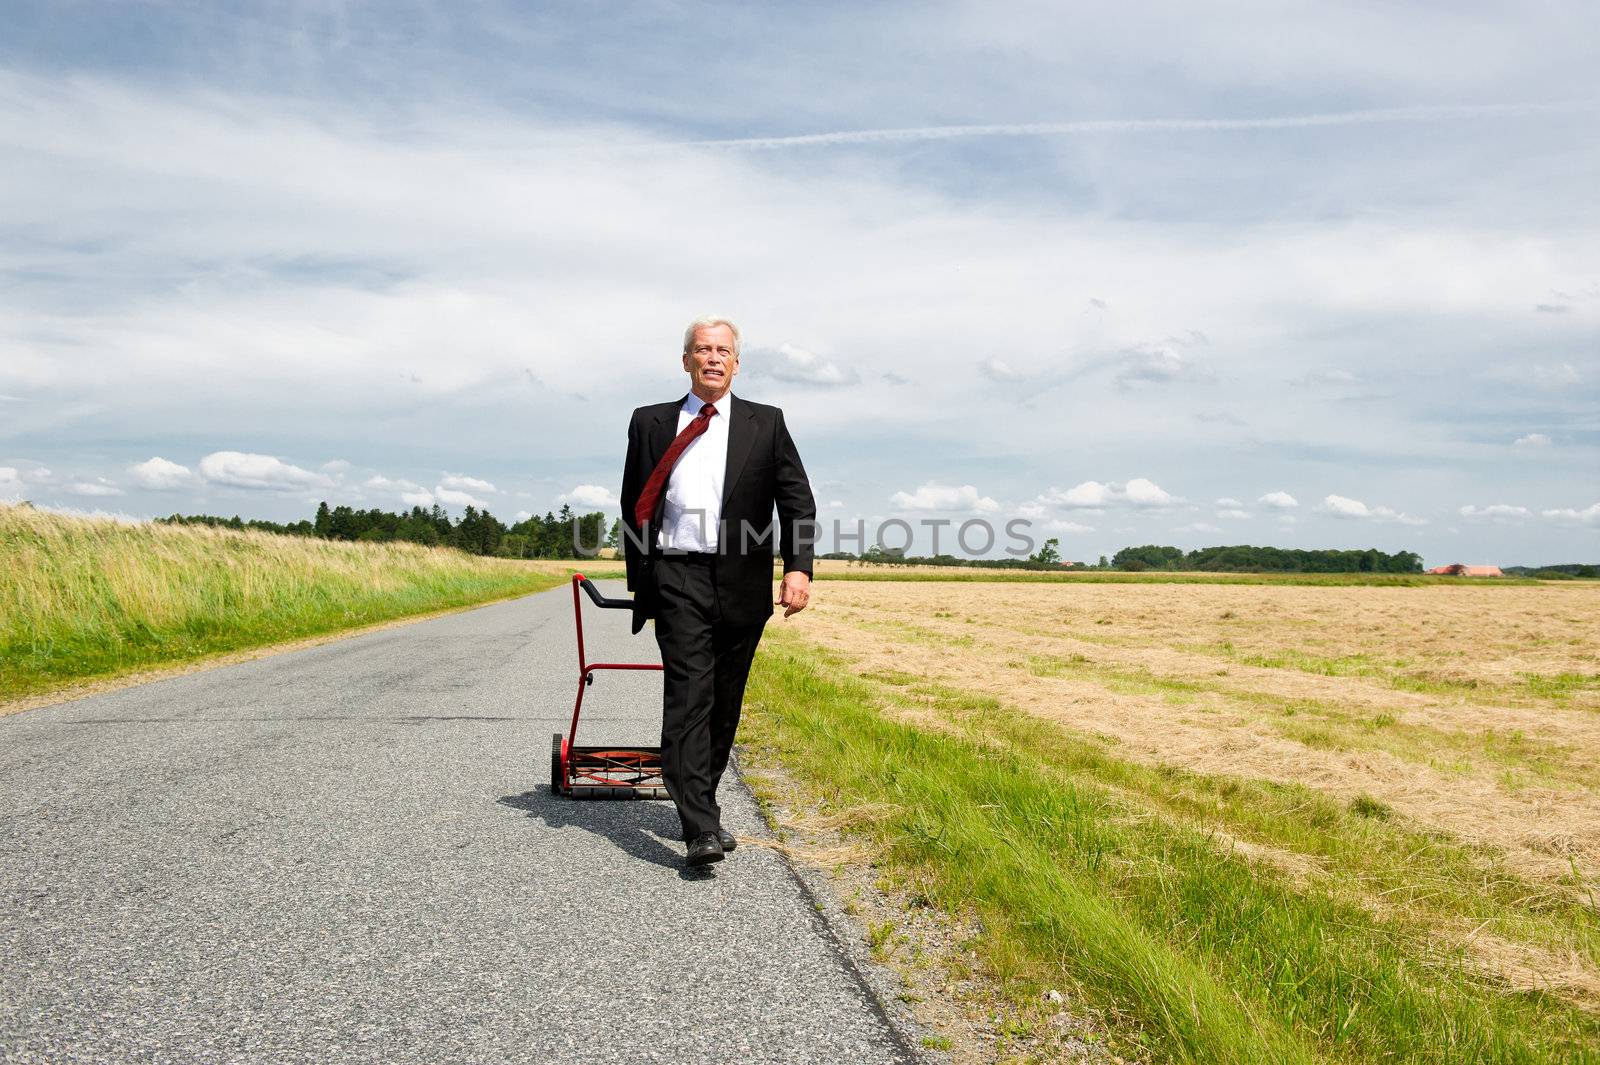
x: 349, y: 853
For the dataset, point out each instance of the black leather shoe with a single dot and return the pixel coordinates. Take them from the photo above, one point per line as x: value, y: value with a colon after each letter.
x: 724, y: 837
x: 705, y: 849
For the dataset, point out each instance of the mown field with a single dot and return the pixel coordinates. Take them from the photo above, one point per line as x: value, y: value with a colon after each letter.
x: 844, y: 570
x: 84, y: 598
x: 1240, y: 822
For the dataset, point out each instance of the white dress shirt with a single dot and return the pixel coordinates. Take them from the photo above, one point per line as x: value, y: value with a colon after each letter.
x: 693, y: 510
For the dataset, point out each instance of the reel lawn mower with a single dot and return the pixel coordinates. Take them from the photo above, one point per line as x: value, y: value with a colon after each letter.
x: 601, y: 772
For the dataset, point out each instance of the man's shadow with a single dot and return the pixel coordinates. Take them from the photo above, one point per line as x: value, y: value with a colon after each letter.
x: 644, y: 828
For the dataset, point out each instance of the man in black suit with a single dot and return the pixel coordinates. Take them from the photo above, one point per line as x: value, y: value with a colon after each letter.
x: 701, y: 480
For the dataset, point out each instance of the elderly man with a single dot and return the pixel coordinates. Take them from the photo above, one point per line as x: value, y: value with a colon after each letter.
x: 701, y: 480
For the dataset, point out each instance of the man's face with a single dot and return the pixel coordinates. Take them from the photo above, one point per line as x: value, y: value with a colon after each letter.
x: 711, y: 361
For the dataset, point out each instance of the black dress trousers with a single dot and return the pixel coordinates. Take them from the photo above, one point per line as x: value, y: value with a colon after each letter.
x: 706, y: 663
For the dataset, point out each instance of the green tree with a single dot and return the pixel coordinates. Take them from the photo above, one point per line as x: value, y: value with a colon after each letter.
x: 588, y: 535
x: 1150, y: 556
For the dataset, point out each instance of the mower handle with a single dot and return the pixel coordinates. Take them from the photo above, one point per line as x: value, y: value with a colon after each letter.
x: 600, y: 600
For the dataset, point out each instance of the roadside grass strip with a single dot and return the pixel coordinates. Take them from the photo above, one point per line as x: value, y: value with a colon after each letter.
x: 84, y: 598
x: 1136, y: 885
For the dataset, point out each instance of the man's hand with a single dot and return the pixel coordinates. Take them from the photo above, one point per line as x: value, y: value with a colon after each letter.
x: 794, y: 594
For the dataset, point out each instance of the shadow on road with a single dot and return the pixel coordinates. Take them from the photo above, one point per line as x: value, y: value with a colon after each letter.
x: 647, y: 830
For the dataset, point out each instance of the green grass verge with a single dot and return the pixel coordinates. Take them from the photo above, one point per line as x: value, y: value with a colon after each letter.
x: 1094, y: 872
x: 86, y: 598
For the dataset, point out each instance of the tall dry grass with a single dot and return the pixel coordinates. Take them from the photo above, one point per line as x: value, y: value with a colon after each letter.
x: 91, y: 597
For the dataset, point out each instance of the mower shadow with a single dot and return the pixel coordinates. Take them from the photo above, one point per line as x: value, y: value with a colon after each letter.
x: 645, y: 829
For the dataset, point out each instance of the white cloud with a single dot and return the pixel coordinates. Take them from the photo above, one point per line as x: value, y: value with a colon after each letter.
x: 243, y: 470
x: 1233, y: 512
x: 1160, y: 365
x: 1345, y: 507
x: 452, y: 497
x: 935, y: 496
x: 1279, y: 500
x: 1341, y: 507
x: 1088, y: 494
x: 336, y: 468
x: 1532, y: 440
x: 590, y: 495
x: 1103, y: 127
x: 419, y: 498
x: 466, y: 484
x: 1199, y: 527
x: 1494, y: 510
x: 379, y: 483
x: 97, y: 487
x: 1060, y: 526
x: 38, y: 475
x: 159, y: 475
x: 1588, y: 516
x: 10, y: 484
x: 1097, y: 495
x: 1144, y: 493
x: 1328, y: 377
x: 1229, y: 501
x: 999, y: 370
x: 798, y: 366
x: 1555, y: 375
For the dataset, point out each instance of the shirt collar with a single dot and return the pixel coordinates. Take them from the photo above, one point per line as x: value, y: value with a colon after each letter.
x: 692, y: 404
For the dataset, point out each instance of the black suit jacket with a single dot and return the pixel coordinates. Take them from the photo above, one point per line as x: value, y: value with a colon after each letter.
x: 763, y: 473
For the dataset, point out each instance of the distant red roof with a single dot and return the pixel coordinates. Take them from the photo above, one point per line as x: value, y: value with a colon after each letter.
x: 1459, y: 569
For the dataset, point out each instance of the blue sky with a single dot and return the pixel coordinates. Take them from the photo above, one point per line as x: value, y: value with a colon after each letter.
x: 1311, y: 275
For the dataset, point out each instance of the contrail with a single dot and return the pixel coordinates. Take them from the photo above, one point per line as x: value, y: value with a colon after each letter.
x: 1151, y: 125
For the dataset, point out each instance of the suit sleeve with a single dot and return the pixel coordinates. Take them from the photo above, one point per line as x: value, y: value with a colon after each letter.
x: 632, y: 487
x: 797, y: 509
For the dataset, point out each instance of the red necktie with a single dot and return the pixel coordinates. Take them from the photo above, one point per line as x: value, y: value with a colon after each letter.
x: 645, y: 509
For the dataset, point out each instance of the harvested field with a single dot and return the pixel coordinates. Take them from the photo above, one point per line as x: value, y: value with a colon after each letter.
x: 1473, y: 710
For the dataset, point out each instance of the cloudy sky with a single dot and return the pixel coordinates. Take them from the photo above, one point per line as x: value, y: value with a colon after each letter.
x: 1313, y: 275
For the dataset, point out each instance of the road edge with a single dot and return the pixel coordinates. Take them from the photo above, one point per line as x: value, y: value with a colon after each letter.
x: 876, y: 983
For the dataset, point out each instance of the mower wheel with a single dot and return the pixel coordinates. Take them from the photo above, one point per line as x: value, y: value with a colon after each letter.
x: 558, y: 771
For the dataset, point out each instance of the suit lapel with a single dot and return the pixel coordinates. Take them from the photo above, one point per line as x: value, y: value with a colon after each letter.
x: 662, y: 433
x: 741, y: 437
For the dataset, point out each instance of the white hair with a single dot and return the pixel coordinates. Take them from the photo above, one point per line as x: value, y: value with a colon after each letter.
x: 709, y: 321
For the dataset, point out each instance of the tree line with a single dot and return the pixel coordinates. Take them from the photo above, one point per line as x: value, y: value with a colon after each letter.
x: 1236, y: 559
x: 1244, y: 558
x: 563, y: 534
x: 1565, y: 571
x: 1047, y: 557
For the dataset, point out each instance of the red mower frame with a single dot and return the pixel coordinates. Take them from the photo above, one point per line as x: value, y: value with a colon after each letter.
x: 601, y: 772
